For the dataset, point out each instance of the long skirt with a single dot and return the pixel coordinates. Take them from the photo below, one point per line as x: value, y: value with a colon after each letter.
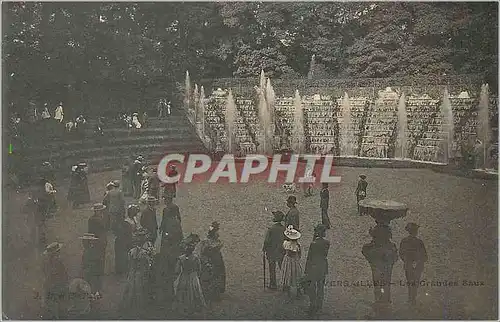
x: 188, y: 292
x: 291, y: 272
x: 136, y: 295
x: 213, y: 277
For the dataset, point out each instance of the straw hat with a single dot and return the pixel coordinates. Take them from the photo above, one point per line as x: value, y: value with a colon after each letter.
x: 116, y: 183
x: 291, y: 233
x: 88, y: 236
x: 82, y: 164
x: 151, y: 199
x: 53, y: 248
x: 110, y: 185
x: 362, y: 176
x: 98, y: 207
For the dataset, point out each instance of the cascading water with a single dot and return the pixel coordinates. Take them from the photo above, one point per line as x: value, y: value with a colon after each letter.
x: 298, y: 138
x: 402, y: 128
x: 270, y: 99
x: 202, y: 112
x: 187, y: 92
x: 447, y: 127
x: 230, y: 118
x: 483, y: 126
x: 346, y: 135
x: 263, y: 121
x: 196, y: 98
x: 262, y: 81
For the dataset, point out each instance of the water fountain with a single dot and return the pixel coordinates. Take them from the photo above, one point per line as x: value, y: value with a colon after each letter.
x: 483, y: 125
x: 187, y: 92
x: 201, y: 117
x: 402, y: 128
x: 346, y: 135
x: 298, y: 137
x: 262, y: 81
x: 270, y: 99
x: 310, y: 75
x: 230, y: 118
x: 447, y: 127
x: 196, y: 98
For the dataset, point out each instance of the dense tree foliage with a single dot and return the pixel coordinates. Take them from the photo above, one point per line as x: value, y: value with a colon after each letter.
x: 75, y: 48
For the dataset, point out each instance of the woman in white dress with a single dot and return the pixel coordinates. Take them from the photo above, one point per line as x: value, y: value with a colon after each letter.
x: 291, y: 269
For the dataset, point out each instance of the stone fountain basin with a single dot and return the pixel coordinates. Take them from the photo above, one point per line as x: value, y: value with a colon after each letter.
x: 383, y: 210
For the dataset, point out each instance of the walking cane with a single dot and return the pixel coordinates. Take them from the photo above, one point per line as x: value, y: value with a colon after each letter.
x: 264, y: 265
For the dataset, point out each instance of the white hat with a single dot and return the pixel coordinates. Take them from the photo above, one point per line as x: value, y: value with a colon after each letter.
x: 291, y: 233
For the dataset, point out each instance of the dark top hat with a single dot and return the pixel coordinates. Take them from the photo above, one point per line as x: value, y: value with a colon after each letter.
x: 292, y: 200
x: 411, y: 227
x: 278, y: 216
x: 320, y: 229
x: 362, y: 176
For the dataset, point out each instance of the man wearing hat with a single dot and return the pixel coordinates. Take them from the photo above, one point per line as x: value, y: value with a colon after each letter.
x: 97, y: 226
x: 317, y: 269
x: 115, y: 205
x: 56, y: 281
x: 91, y: 262
x: 273, y: 247
x: 170, y: 189
x: 323, y: 204
x: 148, y: 219
x: 361, y: 191
x: 413, y: 253
x: 136, y: 178
x: 78, y: 192
x: 292, y: 216
x: 154, y: 184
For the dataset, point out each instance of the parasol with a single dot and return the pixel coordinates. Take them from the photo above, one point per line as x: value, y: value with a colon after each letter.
x: 383, y: 211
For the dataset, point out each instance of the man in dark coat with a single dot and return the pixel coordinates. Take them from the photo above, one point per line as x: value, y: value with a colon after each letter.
x: 361, y: 191
x: 292, y: 216
x: 115, y: 205
x: 273, y: 247
x: 171, y: 238
x: 136, y: 177
x: 91, y: 263
x: 170, y: 189
x: 317, y: 269
x: 79, y: 190
x: 55, y: 283
x: 412, y: 252
x: 148, y: 219
x: 97, y: 226
x: 154, y: 185
x: 323, y: 204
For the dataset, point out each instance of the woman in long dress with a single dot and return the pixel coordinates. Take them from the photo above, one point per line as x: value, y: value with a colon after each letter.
x: 78, y: 192
x: 187, y: 286
x: 123, y: 241
x: 213, y: 271
x: 136, y: 292
x: 291, y: 269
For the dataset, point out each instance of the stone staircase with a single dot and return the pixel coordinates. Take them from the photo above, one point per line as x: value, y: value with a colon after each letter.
x: 171, y: 135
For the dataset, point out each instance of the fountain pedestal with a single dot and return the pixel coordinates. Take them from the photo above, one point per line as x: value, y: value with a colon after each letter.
x: 381, y: 252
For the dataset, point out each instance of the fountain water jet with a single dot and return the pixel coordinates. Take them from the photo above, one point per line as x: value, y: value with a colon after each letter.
x: 298, y: 137
x: 201, y: 112
x: 312, y: 66
x: 448, y: 126
x: 230, y: 118
x: 346, y: 135
x: 263, y: 120
x: 196, y: 98
x: 483, y: 124
x: 270, y: 99
x: 187, y: 92
x: 402, y: 128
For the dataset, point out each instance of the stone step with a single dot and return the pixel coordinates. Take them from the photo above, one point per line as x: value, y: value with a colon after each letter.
x: 121, y: 150
x: 49, y: 147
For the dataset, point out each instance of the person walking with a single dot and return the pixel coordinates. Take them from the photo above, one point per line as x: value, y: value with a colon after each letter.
x: 115, y: 205
x: 413, y: 253
x: 123, y: 241
x: 91, y: 263
x: 188, y: 292
x: 317, y: 269
x: 273, y: 247
x: 78, y: 192
x: 55, y: 283
x: 291, y: 269
x: 361, y: 191
x: 213, y: 269
x: 97, y: 226
x: 292, y: 217
x: 324, y: 204
x: 148, y: 219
